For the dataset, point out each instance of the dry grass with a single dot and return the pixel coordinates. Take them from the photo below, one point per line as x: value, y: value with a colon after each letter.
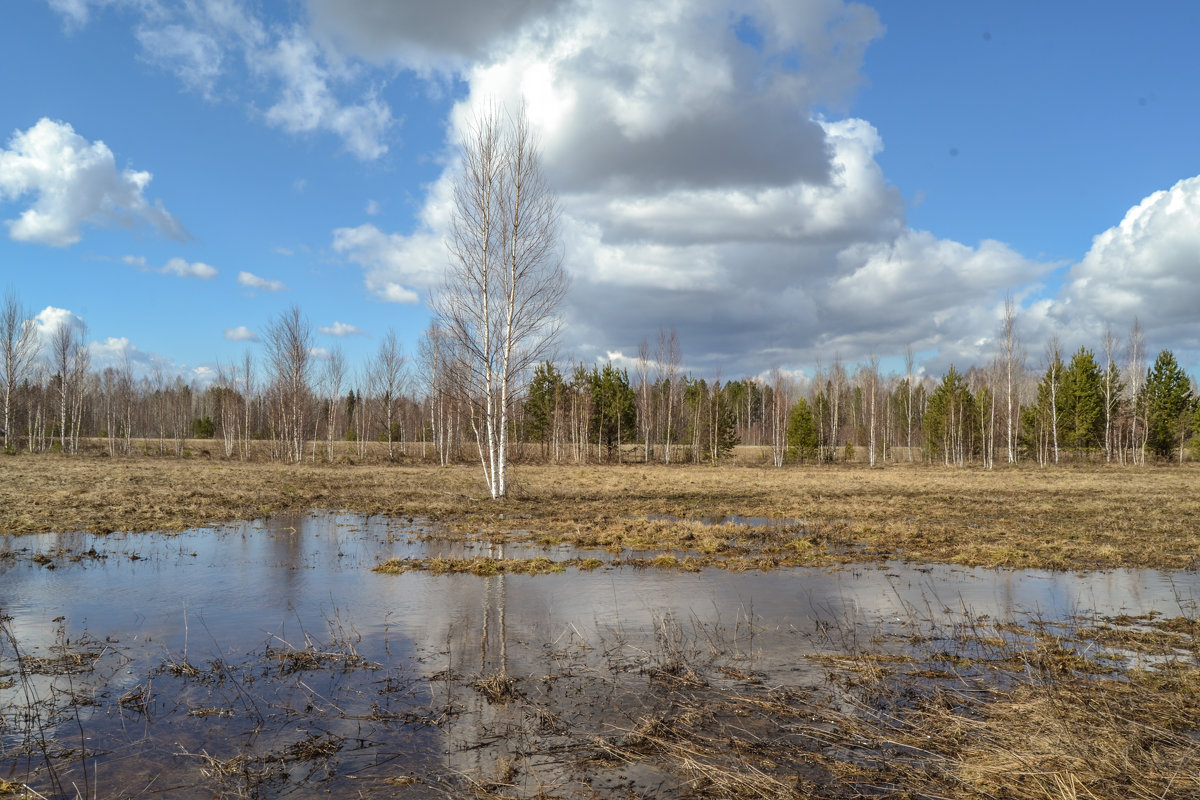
x: 977, y: 710
x: 481, y: 566
x: 1037, y: 716
x: 1065, y: 518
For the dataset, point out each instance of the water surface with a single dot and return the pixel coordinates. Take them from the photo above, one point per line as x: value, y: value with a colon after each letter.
x: 269, y: 651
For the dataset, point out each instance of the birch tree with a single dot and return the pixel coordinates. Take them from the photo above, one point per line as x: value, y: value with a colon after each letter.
x: 247, y: 388
x: 1111, y: 389
x: 389, y: 380
x: 780, y: 410
x: 69, y: 356
x: 505, y: 280
x: 439, y: 364
x: 643, y: 370
x: 1136, y: 364
x: 1053, y: 381
x: 909, y: 376
x: 837, y: 379
x: 289, y: 339
x: 871, y: 385
x: 1012, y: 359
x: 80, y: 377
x: 332, y: 378
x: 127, y: 396
x: 668, y: 369
x: 18, y: 349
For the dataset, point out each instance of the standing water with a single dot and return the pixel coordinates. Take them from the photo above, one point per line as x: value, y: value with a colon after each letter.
x: 266, y: 659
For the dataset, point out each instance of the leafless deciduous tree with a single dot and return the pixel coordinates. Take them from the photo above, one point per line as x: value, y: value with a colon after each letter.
x: 127, y: 398
x: 870, y: 385
x: 1136, y: 365
x: 248, y: 386
x: 643, y: 374
x: 332, y: 378
x: 288, y: 340
x: 18, y: 349
x: 389, y: 377
x: 228, y: 409
x: 781, y: 406
x: 505, y: 280
x: 1054, y: 379
x: 837, y: 379
x: 1110, y: 387
x: 68, y: 351
x: 1013, y: 361
x: 668, y: 370
x: 438, y: 361
x: 909, y: 379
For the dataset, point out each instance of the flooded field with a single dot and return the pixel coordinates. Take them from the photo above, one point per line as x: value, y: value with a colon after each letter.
x: 267, y: 659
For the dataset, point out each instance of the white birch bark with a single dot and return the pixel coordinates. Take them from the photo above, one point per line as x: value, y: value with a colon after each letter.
x: 18, y: 350
x: 505, y: 279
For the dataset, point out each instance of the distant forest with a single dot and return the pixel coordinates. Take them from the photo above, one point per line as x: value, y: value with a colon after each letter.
x: 1114, y: 403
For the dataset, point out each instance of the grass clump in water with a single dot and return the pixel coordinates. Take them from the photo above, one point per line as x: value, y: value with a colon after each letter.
x: 481, y: 566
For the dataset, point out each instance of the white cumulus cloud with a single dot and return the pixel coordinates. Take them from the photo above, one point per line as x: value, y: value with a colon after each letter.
x: 73, y: 182
x: 307, y: 101
x: 240, y: 334
x: 340, y: 329
x: 113, y: 350
x: 228, y: 50
x: 393, y: 262
x: 185, y: 269
x: 50, y: 319
x: 263, y: 284
x: 1148, y: 266
x: 712, y: 198
x: 395, y: 293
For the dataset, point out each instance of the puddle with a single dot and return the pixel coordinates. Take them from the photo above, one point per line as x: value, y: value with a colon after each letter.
x: 266, y: 659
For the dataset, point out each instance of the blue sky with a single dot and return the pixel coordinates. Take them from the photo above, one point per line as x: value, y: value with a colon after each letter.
x: 1038, y: 124
x: 781, y: 182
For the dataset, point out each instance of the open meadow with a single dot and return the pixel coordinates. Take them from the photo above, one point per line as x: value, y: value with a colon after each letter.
x: 1078, y: 517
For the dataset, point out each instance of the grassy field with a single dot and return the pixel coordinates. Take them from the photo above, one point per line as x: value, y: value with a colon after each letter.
x: 1057, y: 518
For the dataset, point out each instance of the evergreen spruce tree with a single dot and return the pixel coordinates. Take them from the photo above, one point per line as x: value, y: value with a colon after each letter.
x: 1081, y: 417
x: 614, y: 407
x: 802, y: 432
x: 1168, y: 405
x: 723, y: 434
x: 949, y: 420
x: 545, y: 397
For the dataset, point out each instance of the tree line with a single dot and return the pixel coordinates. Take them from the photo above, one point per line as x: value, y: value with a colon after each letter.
x: 1115, y: 406
x: 482, y: 389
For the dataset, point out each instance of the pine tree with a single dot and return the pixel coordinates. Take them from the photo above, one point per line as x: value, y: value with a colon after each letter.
x: 614, y: 407
x: 802, y: 431
x: 949, y: 420
x: 1082, y: 406
x: 1168, y: 403
x: 544, y: 403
